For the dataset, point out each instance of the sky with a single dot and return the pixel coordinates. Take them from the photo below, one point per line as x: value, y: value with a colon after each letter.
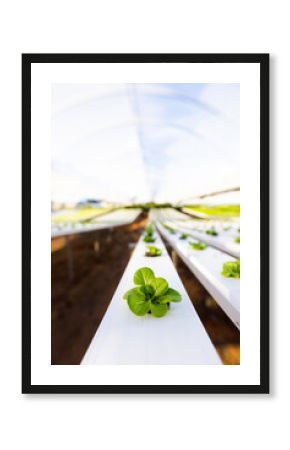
x: 143, y: 142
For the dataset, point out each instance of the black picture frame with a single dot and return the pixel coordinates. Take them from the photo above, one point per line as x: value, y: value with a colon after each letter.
x: 263, y: 61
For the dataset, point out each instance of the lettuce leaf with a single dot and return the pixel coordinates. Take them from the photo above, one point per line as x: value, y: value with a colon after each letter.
x: 152, y: 294
x: 153, y: 251
x: 198, y: 245
x: 231, y: 269
x: 143, y: 276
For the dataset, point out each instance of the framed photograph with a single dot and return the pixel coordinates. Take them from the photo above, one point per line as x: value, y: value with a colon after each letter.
x: 141, y: 172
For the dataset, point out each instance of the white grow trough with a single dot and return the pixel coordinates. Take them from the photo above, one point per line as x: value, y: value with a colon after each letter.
x: 177, y: 338
x: 206, y: 265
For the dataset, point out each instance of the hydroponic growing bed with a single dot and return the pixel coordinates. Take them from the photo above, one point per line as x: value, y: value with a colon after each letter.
x: 207, y: 263
x: 108, y: 220
x: 176, y: 338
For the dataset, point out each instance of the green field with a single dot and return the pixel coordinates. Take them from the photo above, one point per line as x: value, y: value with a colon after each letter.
x: 219, y: 210
x: 76, y: 215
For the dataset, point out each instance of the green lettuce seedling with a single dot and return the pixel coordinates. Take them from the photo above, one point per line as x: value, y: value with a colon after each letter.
x: 212, y: 232
x: 151, y: 294
x: 153, y: 251
x: 149, y: 230
x: 231, y: 269
x: 198, y: 245
x: 147, y: 238
x: 237, y: 239
x: 168, y: 228
x: 184, y: 236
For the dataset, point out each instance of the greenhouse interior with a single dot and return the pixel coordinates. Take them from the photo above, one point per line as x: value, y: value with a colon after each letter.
x: 145, y: 224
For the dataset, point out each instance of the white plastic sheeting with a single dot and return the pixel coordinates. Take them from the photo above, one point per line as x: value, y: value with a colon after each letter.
x: 140, y: 142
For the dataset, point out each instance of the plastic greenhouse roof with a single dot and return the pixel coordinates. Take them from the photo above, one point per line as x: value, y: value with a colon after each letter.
x: 142, y: 142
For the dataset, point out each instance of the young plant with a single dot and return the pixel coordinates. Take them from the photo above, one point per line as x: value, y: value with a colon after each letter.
x: 153, y: 251
x: 184, y: 236
x: 198, y: 245
x: 168, y: 228
x: 231, y: 269
x: 212, y: 232
x: 237, y: 239
x: 150, y: 295
x: 148, y: 236
x: 149, y: 230
x: 150, y: 239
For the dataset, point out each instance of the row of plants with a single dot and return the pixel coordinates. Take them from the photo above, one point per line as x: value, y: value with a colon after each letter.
x: 210, y: 231
x: 69, y: 225
x: 76, y: 215
x: 183, y: 236
x: 230, y: 269
x: 150, y: 294
x: 213, y: 232
x: 151, y: 250
x: 153, y: 295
